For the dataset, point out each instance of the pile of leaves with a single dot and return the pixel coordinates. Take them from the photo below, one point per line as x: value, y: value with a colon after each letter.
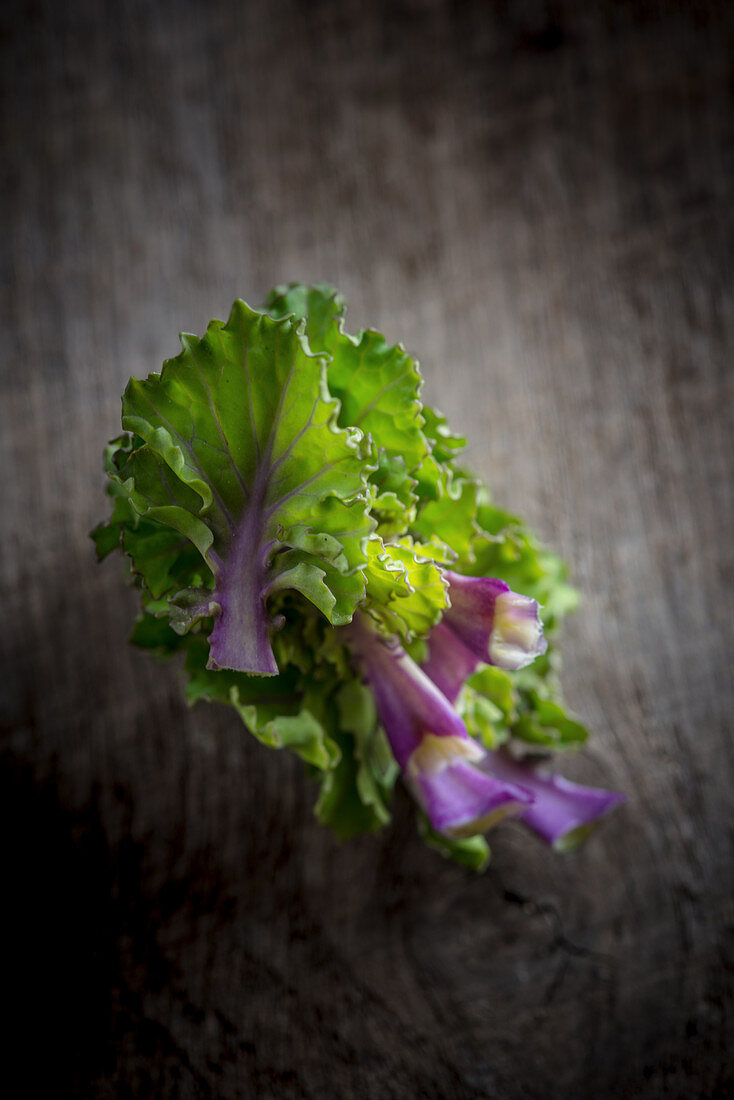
x: 277, y: 477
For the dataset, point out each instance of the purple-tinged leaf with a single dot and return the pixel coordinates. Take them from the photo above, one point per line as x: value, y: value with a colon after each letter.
x: 430, y: 741
x: 563, y: 813
x: 498, y: 626
x: 243, y: 455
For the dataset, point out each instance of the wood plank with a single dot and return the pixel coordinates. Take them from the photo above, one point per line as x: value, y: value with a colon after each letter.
x: 536, y: 199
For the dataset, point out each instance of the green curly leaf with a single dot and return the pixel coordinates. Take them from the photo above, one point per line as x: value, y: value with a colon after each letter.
x: 406, y: 590
x: 243, y: 456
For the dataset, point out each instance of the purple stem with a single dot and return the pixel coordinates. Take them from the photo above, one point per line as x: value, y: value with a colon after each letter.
x: 240, y: 639
x: 449, y: 662
x: 409, y: 703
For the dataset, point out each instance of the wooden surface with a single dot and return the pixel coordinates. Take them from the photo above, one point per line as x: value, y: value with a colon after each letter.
x: 536, y: 198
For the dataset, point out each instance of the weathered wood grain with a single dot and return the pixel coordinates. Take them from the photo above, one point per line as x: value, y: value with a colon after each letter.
x: 536, y: 198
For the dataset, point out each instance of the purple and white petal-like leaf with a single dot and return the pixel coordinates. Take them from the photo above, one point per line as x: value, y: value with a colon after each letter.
x: 459, y: 799
x: 563, y: 813
x: 497, y: 625
x: 430, y: 742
